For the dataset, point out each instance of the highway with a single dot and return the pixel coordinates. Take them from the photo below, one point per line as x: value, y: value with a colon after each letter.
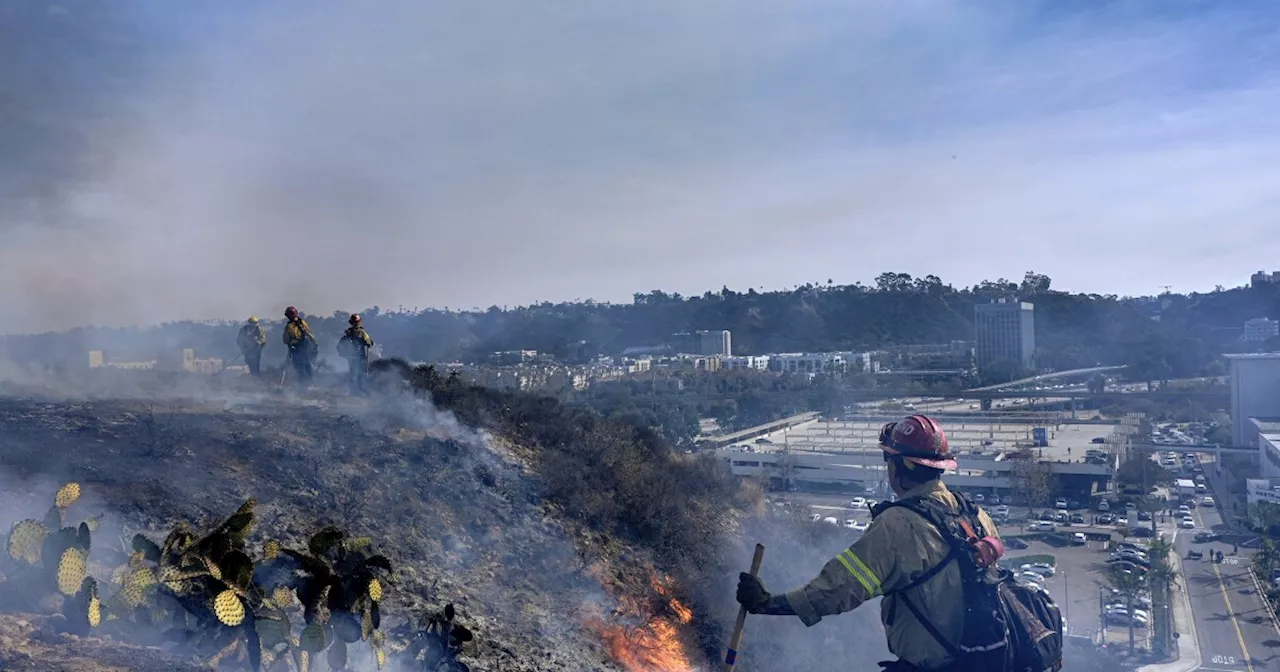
x: 1233, y: 625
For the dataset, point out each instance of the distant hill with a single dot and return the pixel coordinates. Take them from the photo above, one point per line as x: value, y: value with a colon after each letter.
x: 1172, y: 335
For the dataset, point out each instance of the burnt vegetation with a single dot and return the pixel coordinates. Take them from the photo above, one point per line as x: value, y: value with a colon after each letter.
x: 207, y: 595
x: 619, y: 479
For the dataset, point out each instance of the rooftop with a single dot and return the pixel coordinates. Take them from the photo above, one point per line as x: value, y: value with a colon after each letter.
x: 1067, y: 442
x: 1253, y: 355
x: 1266, y: 425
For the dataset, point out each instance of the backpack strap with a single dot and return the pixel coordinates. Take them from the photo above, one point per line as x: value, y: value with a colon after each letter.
x: 936, y: 515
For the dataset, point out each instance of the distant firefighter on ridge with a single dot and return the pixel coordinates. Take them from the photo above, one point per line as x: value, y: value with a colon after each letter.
x: 354, y: 347
x: 252, y: 339
x: 301, y: 343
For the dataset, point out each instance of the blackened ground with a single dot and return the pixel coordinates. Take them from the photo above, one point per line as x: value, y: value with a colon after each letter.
x: 455, y: 512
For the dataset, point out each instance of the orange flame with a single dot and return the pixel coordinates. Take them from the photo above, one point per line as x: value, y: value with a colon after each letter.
x: 641, y: 641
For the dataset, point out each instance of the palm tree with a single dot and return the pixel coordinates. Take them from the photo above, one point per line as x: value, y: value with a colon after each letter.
x: 1163, y: 580
x: 1129, y: 585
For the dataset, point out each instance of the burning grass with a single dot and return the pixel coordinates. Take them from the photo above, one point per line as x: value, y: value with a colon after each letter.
x: 645, y: 631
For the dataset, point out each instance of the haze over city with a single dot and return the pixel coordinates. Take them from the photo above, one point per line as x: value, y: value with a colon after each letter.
x: 426, y: 154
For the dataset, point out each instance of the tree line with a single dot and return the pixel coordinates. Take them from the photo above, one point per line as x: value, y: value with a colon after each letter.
x: 1169, y: 336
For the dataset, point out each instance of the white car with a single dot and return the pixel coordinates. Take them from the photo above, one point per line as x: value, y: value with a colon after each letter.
x: 1041, y: 526
x: 1187, y: 523
x: 1184, y: 510
x: 1122, y: 520
x: 849, y: 523
x: 1079, y: 538
x: 861, y: 525
x: 858, y: 503
x: 831, y: 520
x: 1002, y: 510
x: 1061, y: 504
x: 1041, y: 568
x: 1207, y: 501
x: 1030, y: 577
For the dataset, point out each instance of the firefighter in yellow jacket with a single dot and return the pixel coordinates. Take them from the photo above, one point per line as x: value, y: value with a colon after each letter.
x: 252, y: 339
x: 302, y: 345
x: 355, y: 345
x: 898, y: 549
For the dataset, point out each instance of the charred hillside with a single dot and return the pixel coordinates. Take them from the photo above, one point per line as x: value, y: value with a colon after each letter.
x: 565, y: 541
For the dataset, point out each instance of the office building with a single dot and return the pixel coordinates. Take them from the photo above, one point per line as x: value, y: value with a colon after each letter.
x: 1260, y: 330
x: 1255, y: 396
x: 712, y: 343
x: 1005, y: 330
x: 1263, y: 278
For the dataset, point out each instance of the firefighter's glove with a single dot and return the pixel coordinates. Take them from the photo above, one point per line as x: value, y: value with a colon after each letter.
x: 757, y: 600
x: 751, y: 592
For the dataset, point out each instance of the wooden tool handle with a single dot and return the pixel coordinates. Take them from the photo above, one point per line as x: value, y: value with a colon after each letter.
x: 731, y: 656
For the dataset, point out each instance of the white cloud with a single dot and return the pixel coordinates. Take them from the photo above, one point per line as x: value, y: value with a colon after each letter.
x: 464, y: 155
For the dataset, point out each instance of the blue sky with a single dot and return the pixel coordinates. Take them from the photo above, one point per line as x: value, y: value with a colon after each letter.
x: 341, y: 154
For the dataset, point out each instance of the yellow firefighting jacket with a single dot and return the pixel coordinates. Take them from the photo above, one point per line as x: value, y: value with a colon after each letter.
x: 251, y: 337
x: 296, y: 332
x: 898, y: 547
x: 360, y: 341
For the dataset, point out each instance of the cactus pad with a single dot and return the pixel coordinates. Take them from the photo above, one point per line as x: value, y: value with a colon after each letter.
x: 313, y: 638
x: 26, y: 540
x: 67, y: 495
x: 375, y: 589
x: 71, y: 571
x: 229, y: 608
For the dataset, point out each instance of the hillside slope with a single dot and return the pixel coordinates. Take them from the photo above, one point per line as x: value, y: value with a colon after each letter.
x: 453, y: 510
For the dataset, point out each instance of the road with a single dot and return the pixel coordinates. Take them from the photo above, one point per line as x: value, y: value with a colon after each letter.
x: 1234, y: 628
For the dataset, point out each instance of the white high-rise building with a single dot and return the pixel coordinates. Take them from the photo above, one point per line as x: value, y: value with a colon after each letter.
x: 1260, y: 330
x: 1004, y: 330
x: 1255, y: 407
x: 712, y: 343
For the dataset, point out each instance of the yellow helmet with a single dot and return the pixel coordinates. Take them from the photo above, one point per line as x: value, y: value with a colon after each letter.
x: 253, y: 320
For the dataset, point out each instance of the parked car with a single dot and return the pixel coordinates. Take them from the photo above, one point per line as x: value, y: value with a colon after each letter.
x: 1208, y: 501
x: 849, y: 523
x: 1077, y: 519
x: 1104, y: 505
x: 1144, y: 516
x: 1047, y: 515
x: 1187, y: 523
x: 1106, y: 519
x: 831, y: 520
x: 1042, y: 526
x: 1079, y: 539
x: 1041, y: 568
x: 1060, y: 517
x: 861, y: 525
x: 858, y: 503
x: 980, y: 498
x: 1014, y: 542
x: 1060, y: 504
x: 1002, y: 510
x: 1030, y: 577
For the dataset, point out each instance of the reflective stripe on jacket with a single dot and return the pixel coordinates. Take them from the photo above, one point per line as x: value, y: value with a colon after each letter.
x: 898, y: 547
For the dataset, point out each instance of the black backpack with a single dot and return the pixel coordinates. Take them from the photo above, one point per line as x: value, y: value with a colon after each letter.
x: 1008, y: 626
